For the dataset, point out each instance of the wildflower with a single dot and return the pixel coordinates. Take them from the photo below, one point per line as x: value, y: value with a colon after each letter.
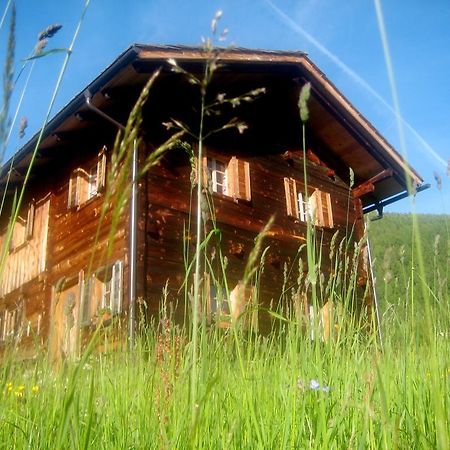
x: 35, y: 389
x: 21, y: 388
x: 22, y: 127
x: 49, y: 32
x: 9, y: 386
x: 19, y: 394
x: 314, y: 385
x: 220, y: 97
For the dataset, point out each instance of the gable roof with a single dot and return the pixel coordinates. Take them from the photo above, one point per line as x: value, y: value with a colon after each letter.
x: 349, y: 138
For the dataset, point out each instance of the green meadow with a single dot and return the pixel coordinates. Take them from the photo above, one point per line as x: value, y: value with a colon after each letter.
x: 281, y: 390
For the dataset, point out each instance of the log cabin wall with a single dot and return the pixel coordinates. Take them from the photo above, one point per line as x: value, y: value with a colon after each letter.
x: 63, y: 251
x: 271, y: 148
x: 168, y: 209
x: 24, y: 291
x: 27, y: 253
x: 87, y: 255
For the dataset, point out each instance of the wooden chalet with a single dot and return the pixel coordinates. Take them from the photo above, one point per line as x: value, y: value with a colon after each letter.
x: 48, y: 295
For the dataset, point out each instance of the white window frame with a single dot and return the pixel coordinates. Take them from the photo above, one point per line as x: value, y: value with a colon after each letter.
x: 212, y: 171
x: 235, y: 177
x: 92, y: 182
x: 85, y: 184
x: 303, y: 207
x: 102, y: 292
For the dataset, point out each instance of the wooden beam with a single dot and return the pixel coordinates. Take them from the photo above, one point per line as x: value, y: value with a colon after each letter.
x: 369, y: 185
x: 362, y: 189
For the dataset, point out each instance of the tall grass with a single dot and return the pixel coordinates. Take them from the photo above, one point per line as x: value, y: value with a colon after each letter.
x: 345, y: 395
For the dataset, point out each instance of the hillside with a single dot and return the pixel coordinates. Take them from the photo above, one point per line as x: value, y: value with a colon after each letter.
x: 396, y: 265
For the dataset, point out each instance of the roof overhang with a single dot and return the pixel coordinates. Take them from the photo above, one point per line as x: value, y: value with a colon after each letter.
x: 380, y: 172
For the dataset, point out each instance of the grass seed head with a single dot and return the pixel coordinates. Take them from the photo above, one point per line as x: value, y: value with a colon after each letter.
x: 438, y: 180
x: 40, y: 45
x: 305, y: 93
x: 49, y: 32
x: 23, y: 126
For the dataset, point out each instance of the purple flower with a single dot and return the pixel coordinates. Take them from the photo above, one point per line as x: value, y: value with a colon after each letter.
x: 314, y: 385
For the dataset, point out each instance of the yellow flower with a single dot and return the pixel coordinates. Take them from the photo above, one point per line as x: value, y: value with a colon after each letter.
x: 19, y: 394
x: 9, y: 386
x: 35, y: 389
x: 21, y: 388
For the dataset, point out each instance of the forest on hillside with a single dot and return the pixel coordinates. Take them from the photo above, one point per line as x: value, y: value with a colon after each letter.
x: 398, y: 272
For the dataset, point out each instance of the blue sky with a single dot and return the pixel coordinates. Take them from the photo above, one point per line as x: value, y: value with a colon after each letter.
x: 341, y: 37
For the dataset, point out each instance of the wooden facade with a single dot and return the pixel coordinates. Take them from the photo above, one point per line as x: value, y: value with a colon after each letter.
x: 63, y: 272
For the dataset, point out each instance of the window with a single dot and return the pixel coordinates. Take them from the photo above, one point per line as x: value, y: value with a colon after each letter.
x: 230, y: 178
x: 217, y: 175
x: 86, y: 184
x: 23, y: 228
x: 317, y: 206
x: 102, y: 292
x: 217, y: 307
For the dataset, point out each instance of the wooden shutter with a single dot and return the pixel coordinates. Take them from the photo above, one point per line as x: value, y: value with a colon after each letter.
x: 321, y: 205
x: 242, y: 298
x: 116, y: 288
x: 30, y: 221
x: 290, y: 190
x: 238, y: 179
x: 72, y: 201
x: 86, y: 294
x: 101, y: 170
x: 314, y: 207
x: 327, y: 212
